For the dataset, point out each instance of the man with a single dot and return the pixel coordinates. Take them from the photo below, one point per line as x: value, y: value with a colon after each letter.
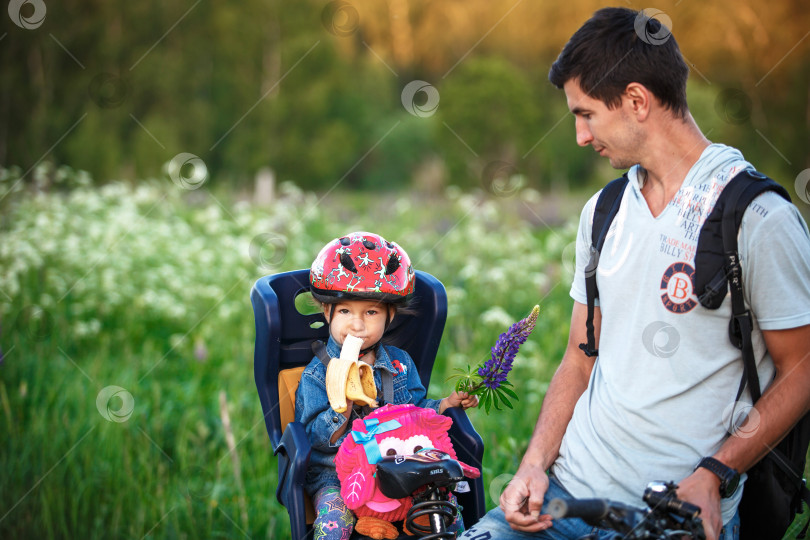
x: 635, y: 414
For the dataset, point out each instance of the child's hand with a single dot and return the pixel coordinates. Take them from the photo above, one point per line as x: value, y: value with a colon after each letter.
x: 459, y: 399
x: 465, y: 400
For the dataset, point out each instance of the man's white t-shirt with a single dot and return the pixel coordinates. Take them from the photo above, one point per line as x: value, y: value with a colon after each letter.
x: 662, y: 392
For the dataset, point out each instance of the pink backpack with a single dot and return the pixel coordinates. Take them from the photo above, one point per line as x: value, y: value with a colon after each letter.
x: 389, y: 430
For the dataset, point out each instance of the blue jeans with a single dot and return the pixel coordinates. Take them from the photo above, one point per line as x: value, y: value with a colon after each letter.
x: 493, y: 525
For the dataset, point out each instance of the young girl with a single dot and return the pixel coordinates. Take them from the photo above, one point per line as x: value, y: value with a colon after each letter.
x: 360, y: 279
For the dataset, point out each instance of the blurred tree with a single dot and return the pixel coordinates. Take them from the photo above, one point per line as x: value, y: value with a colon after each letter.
x: 494, y: 121
x: 312, y: 88
x: 480, y: 117
x: 409, y: 146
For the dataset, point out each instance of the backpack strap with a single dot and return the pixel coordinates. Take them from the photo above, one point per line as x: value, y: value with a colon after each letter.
x: 711, y: 260
x: 713, y: 282
x: 733, y: 202
x: 387, y: 379
x: 607, y: 206
x: 804, y: 494
x: 319, y: 348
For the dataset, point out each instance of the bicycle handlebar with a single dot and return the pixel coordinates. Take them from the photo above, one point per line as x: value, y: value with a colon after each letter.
x: 656, y: 498
x: 666, y: 518
x: 586, y: 509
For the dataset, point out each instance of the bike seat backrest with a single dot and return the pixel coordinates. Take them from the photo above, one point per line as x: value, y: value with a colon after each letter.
x: 286, y: 326
x: 288, y: 380
x: 400, y: 476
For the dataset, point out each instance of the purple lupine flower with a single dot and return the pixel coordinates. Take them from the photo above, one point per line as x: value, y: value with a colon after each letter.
x: 493, y: 373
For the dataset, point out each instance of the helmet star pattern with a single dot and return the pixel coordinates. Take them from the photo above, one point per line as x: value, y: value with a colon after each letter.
x: 362, y: 266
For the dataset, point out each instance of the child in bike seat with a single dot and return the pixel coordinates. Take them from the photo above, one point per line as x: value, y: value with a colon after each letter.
x: 360, y: 281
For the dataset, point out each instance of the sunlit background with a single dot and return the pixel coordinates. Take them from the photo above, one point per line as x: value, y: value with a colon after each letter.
x: 156, y: 158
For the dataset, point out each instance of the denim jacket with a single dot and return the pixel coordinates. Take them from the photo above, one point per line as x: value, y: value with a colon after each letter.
x: 320, y: 421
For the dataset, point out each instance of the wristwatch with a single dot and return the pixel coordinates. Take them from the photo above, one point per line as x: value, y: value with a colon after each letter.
x: 729, y: 478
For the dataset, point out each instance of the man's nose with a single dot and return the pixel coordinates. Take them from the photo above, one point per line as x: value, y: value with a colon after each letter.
x: 584, y: 136
x: 357, y: 323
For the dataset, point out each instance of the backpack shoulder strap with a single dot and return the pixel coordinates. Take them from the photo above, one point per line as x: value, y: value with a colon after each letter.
x: 607, y: 206
x: 715, y: 275
x: 721, y: 227
x: 319, y: 348
x: 387, y: 380
x: 804, y: 493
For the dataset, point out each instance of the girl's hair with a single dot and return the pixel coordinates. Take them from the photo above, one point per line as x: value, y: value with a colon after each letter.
x: 408, y: 308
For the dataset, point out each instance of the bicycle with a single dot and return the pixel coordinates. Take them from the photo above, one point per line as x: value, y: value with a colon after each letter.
x: 666, y: 518
x: 428, y: 477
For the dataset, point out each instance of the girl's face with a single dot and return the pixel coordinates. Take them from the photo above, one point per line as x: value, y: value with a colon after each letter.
x: 364, y: 319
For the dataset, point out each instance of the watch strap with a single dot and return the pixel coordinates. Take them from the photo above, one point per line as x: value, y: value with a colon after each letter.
x: 726, y: 474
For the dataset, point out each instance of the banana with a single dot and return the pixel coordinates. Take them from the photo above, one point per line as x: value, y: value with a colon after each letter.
x: 355, y: 388
x: 367, y: 380
x: 336, y: 374
x: 349, y: 377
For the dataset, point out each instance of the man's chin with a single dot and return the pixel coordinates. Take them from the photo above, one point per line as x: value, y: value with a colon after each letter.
x: 620, y: 164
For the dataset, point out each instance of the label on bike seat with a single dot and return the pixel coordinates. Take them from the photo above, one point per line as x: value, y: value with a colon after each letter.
x: 462, y: 487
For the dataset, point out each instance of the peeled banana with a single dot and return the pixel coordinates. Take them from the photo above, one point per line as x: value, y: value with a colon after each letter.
x: 336, y: 374
x: 348, y: 377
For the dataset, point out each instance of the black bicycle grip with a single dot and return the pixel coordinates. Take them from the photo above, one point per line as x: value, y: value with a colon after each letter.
x: 589, y: 510
x: 669, y: 502
x: 683, y: 508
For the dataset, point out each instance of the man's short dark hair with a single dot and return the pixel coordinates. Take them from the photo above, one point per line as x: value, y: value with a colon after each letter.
x: 618, y: 46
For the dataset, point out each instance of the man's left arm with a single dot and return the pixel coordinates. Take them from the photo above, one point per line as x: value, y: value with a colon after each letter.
x: 782, y: 404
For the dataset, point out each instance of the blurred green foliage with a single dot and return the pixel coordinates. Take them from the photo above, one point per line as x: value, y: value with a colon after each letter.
x: 145, y: 286
x: 312, y: 89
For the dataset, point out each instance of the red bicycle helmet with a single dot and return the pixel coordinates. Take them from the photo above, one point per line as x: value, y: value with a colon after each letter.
x: 362, y: 266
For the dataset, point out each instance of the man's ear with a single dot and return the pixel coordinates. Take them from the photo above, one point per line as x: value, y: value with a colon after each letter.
x: 640, y: 100
x: 392, y: 312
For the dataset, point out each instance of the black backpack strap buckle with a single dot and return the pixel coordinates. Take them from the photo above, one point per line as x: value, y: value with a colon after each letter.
x: 739, y: 325
x: 589, y: 351
x: 592, y: 292
x: 593, y: 262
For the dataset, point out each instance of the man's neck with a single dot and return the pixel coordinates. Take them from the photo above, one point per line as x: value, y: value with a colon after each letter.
x: 671, y: 153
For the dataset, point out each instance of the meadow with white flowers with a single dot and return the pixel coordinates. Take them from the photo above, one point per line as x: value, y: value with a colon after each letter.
x: 145, y: 286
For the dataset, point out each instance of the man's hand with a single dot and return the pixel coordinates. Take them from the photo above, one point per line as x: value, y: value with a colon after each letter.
x: 522, y: 500
x: 702, y: 488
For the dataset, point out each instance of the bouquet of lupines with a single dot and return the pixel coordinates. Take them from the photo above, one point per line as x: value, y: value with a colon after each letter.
x: 488, y: 380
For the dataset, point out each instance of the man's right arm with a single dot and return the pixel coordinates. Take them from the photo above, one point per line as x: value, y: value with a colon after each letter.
x: 522, y: 499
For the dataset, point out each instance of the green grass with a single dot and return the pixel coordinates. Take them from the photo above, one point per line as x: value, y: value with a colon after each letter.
x: 146, y: 288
